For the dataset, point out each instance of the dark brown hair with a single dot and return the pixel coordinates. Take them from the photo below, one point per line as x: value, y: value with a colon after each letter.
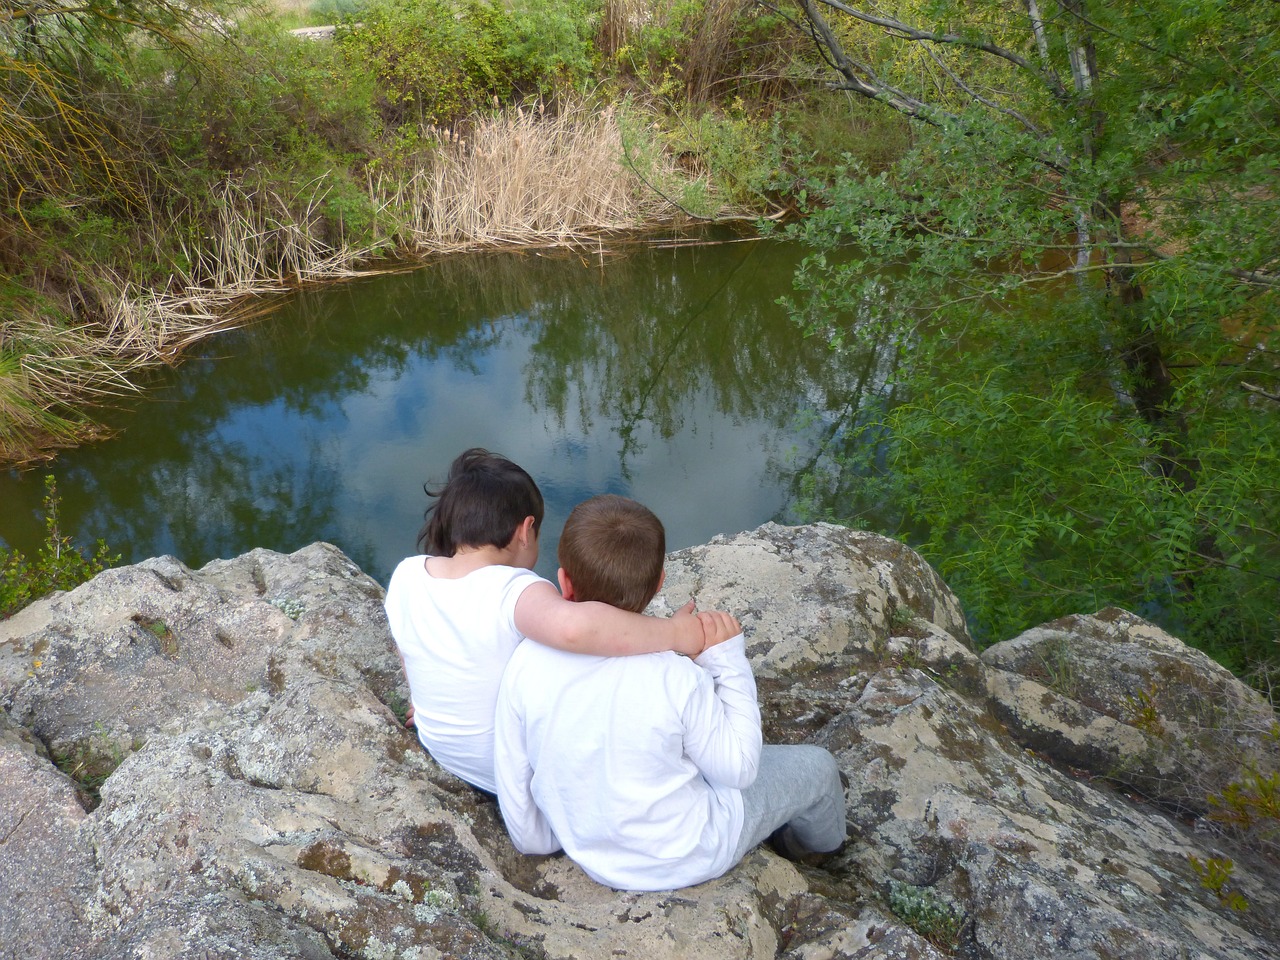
x: 612, y: 550
x: 484, y: 500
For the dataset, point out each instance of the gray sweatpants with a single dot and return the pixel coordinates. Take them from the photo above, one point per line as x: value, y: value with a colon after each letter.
x: 796, y: 785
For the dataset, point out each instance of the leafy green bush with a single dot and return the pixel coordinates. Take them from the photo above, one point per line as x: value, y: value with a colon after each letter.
x: 741, y: 154
x: 58, y: 565
x: 434, y: 60
x: 548, y: 45
x: 332, y: 11
x: 262, y: 96
x: 1034, y: 496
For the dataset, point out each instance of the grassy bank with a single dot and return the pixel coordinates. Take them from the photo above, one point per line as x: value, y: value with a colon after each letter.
x: 156, y: 179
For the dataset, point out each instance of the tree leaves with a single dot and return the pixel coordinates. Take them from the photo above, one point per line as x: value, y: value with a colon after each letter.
x: 1080, y: 253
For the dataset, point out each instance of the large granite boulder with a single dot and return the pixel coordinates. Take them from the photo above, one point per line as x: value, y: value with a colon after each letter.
x: 208, y: 764
x: 1118, y: 697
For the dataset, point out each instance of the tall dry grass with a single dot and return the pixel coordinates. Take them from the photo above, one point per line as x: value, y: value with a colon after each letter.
x: 51, y: 374
x: 713, y: 48
x: 261, y: 242
x: 522, y: 176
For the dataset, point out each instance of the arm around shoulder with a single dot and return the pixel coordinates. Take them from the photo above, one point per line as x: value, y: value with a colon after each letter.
x: 543, y: 615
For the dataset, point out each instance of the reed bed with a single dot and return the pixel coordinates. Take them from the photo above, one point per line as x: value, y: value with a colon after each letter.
x: 262, y: 243
x: 523, y: 176
x: 44, y: 372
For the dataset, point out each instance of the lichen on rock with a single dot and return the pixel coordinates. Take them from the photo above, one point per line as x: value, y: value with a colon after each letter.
x: 265, y: 802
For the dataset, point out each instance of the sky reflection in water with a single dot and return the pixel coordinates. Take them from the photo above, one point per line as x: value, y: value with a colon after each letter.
x: 669, y: 375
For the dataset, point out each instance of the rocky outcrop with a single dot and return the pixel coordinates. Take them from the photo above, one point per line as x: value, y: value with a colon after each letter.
x: 208, y: 764
x: 1115, y: 695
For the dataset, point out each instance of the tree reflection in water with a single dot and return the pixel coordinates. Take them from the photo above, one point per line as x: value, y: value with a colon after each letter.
x: 666, y: 372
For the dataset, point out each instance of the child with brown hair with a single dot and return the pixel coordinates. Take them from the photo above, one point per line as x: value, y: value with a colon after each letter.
x: 649, y: 770
x: 459, y: 610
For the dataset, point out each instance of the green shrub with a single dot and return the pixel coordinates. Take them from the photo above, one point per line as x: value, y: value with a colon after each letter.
x: 741, y: 154
x: 263, y: 96
x: 57, y: 565
x: 548, y: 45
x: 333, y: 11
x: 434, y: 60
x: 830, y: 131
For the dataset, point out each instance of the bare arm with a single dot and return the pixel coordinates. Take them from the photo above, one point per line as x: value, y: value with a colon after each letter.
x: 543, y: 615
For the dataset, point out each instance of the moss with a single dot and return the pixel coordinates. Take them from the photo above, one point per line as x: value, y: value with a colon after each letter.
x: 166, y: 639
x: 415, y: 886
x: 326, y: 858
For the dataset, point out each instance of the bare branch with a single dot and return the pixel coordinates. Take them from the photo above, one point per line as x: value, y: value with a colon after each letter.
x: 913, y: 34
x: 985, y: 101
x: 1260, y: 392
x: 860, y: 78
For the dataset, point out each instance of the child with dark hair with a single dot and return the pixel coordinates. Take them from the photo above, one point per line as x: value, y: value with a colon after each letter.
x: 458, y: 611
x: 649, y: 771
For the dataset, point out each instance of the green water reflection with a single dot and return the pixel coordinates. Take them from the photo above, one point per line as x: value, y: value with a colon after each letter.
x: 667, y: 373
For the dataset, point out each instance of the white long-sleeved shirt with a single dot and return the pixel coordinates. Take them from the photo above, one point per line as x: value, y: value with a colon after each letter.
x: 455, y: 637
x: 634, y: 765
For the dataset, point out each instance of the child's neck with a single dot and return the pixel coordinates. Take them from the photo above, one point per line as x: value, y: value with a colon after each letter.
x: 467, y: 560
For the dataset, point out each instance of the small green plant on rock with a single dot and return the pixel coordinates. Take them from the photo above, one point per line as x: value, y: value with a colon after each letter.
x: 167, y: 639
x: 900, y: 618
x: 927, y: 913
x: 1250, y: 806
x: 92, y: 760
x: 1141, y: 712
x: 1215, y: 875
x: 57, y: 565
x: 398, y: 705
x: 1060, y: 672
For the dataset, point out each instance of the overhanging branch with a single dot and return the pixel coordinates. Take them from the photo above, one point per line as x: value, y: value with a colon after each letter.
x: 907, y: 32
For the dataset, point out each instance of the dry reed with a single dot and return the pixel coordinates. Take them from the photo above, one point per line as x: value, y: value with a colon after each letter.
x: 260, y: 242
x: 522, y: 176
x: 709, y: 48
x: 713, y: 48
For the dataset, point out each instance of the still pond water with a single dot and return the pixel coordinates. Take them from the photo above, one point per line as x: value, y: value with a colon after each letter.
x: 661, y: 371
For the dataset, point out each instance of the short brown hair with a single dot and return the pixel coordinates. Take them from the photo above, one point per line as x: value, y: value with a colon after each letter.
x: 612, y: 549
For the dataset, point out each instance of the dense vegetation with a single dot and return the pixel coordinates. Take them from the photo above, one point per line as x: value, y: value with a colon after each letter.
x: 1078, y: 262
x: 1063, y: 217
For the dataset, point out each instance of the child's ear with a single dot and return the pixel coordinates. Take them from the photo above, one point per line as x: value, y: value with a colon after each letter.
x: 566, y: 585
x: 662, y: 578
x: 525, y: 533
